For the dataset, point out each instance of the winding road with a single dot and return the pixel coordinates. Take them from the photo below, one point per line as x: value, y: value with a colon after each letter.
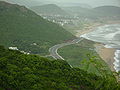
x: 53, y: 50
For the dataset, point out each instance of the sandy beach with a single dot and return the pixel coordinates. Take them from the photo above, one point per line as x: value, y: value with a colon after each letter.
x: 93, y: 26
x: 107, y: 54
x: 87, y: 29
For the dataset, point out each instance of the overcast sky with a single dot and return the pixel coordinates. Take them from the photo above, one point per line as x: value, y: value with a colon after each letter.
x: 90, y: 2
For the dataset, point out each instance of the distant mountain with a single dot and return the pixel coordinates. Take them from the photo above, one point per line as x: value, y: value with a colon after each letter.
x: 27, y: 3
x: 28, y: 31
x: 81, y: 12
x: 108, y: 10
x: 75, y: 4
x: 98, y: 12
x: 49, y: 9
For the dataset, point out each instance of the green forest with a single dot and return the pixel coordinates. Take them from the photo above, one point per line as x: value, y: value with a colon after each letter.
x: 82, y: 69
x: 21, y: 27
x: 31, y: 72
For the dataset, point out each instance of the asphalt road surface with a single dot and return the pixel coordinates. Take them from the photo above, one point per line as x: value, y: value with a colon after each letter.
x: 53, y: 50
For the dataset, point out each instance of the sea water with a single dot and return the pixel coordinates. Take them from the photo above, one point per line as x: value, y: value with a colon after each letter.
x: 109, y: 35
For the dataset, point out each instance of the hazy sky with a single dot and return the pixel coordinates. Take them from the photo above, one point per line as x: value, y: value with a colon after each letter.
x: 90, y: 2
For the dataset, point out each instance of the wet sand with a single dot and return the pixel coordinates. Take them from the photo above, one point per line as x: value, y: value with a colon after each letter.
x: 107, y: 54
x: 93, y: 26
x: 87, y: 29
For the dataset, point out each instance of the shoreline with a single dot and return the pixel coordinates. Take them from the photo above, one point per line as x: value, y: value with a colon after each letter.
x: 87, y: 29
x: 107, y: 54
x: 95, y: 25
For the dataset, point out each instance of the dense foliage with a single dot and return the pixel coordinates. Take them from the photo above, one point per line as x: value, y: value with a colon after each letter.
x: 30, y: 72
x: 21, y: 27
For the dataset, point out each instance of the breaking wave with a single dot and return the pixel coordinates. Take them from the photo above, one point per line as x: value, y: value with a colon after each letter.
x: 109, y: 35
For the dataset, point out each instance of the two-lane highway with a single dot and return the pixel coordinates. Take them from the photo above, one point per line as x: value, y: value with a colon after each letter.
x: 53, y: 50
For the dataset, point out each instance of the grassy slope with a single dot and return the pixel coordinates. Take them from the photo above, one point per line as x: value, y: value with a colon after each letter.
x: 21, y: 27
x: 79, y: 55
x: 77, y: 51
x: 31, y: 72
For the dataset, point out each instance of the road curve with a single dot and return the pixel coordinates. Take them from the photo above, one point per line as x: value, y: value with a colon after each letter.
x: 53, y: 50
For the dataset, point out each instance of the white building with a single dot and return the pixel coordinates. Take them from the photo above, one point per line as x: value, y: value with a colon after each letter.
x: 13, y: 48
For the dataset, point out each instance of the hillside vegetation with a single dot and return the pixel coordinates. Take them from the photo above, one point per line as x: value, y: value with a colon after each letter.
x: 21, y: 27
x: 79, y: 55
x: 30, y: 72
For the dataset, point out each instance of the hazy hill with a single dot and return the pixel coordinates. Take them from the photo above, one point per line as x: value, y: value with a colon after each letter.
x: 72, y: 4
x: 49, y: 9
x: 108, y: 10
x: 102, y: 11
x: 30, y: 72
x: 21, y: 27
x: 81, y: 12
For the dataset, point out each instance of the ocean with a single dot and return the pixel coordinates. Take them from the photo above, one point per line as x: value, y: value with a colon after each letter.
x: 109, y: 35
